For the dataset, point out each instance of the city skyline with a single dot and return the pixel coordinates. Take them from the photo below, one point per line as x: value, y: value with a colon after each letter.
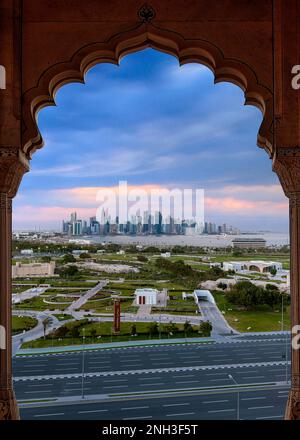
x: 143, y: 224
x: 152, y: 123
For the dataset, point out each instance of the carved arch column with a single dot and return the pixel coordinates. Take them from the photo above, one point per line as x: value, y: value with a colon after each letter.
x: 287, y: 166
x: 12, y: 167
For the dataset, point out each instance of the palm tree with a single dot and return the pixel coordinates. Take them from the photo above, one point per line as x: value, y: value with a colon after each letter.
x: 46, y: 323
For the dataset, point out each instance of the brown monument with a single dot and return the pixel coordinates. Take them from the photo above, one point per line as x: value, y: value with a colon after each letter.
x: 45, y: 44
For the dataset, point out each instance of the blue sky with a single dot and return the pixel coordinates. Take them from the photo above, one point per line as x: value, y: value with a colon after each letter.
x: 151, y: 122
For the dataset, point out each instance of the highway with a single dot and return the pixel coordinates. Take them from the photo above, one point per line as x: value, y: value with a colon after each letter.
x: 194, y: 381
x: 142, y: 358
x: 148, y: 381
x: 260, y: 405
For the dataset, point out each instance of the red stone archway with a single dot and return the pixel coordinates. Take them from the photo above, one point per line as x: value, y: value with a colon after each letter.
x: 47, y: 43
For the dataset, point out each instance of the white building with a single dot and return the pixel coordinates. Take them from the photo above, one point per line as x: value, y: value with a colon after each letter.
x: 252, y: 266
x: 146, y: 296
x: 27, y: 252
x: 165, y: 254
x: 121, y: 252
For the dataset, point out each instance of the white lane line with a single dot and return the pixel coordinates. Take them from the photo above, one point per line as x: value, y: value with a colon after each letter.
x: 38, y: 391
x: 253, y: 398
x: 176, y: 404
x: 116, y: 380
x: 92, y: 411
x: 117, y: 386
x: 149, y: 378
x: 253, y: 377
x: 261, y: 407
x: 188, y: 375
x: 215, y: 401
x: 134, y: 407
x: 48, y: 415
x: 180, y: 414
x: 269, y: 417
x: 187, y: 381
x: 41, y: 385
x: 151, y: 384
x: 221, y: 410
x: 136, y: 418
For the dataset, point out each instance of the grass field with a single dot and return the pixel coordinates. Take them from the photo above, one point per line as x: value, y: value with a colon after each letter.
x: 105, y: 330
x: 258, y: 320
x: 21, y: 323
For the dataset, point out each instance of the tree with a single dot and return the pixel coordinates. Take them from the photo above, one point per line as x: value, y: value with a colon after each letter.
x: 68, y: 258
x: 273, y: 271
x: 187, y: 327
x: 46, y: 259
x: 84, y: 256
x: 153, y: 328
x: 46, y: 323
x: 205, y: 328
x: 75, y: 332
x: 133, y: 330
x: 69, y: 271
x: 93, y: 332
x: 142, y: 258
x: 172, y: 328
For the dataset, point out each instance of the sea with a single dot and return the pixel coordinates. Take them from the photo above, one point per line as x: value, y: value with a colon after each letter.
x: 273, y: 239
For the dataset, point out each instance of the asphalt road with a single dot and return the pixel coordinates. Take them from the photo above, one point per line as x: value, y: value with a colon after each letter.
x: 155, y: 357
x: 262, y: 405
x: 142, y: 382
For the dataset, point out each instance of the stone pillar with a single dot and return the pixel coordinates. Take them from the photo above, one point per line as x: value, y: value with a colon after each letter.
x: 8, y: 405
x: 287, y: 166
x: 13, y: 164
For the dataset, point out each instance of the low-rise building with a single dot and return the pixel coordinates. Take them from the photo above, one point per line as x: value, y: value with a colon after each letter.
x: 20, y: 270
x: 27, y: 252
x: 246, y: 243
x: 253, y: 266
x: 146, y: 296
x: 165, y: 254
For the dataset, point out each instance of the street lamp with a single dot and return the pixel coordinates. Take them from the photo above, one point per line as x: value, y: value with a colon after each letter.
x: 238, y: 397
x: 82, y: 379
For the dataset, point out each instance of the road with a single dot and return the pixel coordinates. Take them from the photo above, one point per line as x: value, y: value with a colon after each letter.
x: 210, y: 312
x: 260, y: 405
x: 195, y: 381
x: 36, y: 332
x: 84, y: 298
x: 144, y: 357
x: 104, y: 385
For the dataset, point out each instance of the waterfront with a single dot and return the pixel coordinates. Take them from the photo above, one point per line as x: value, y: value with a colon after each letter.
x: 272, y: 238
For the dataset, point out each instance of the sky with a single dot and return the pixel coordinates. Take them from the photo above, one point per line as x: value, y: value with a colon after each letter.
x: 156, y: 124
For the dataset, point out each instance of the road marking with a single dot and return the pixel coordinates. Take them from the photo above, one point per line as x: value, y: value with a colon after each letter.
x: 269, y: 417
x: 49, y: 415
x: 180, y: 414
x: 151, y: 384
x: 221, y: 410
x: 136, y: 418
x: 253, y: 398
x: 261, y: 407
x: 176, y: 404
x: 92, y: 411
x: 134, y: 407
x: 215, y: 401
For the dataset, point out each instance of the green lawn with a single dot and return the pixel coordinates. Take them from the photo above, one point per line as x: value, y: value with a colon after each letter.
x: 263, y: 319
x: 21, y: 323
x: 105, y: 330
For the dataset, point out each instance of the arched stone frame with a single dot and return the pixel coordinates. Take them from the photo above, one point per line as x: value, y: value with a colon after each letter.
x: 146, y: 35
x: 279, y: 133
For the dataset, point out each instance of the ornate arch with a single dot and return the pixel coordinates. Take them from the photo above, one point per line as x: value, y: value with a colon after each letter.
x: 145, y: 35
